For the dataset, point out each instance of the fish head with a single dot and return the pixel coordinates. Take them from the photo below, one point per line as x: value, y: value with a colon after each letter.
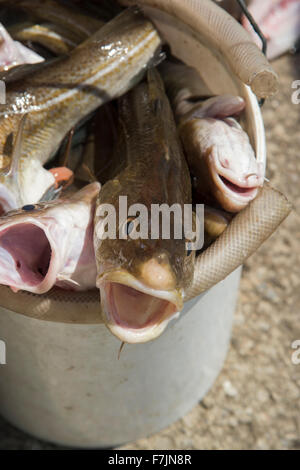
x: 141, y: 278
x: 36, y: 239
x: 224, y: 164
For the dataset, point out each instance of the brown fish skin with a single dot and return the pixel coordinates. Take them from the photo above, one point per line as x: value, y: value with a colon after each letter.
x: 142, y: 280
x: 184, y: 87
x: 215, y: 222
x: 70, y: 17
x: 59, y: 95
x: 52, y: 36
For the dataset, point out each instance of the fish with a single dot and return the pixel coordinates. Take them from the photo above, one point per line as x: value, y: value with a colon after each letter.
x: 69, y: 17
x: 215, y: 222
x: 279, y: 21
x: 142, y: 280
x: 50, y: 243
x: 184, y: 86
x: 218, y: 150
x: 58, y: 96
x: 13, y: 53
x: 53, y: 37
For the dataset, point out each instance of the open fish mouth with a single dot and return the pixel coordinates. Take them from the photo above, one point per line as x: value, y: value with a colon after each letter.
x: 235, y: 192
x: 238, y: 189
x: 27, y: 257
x: 133, y: 312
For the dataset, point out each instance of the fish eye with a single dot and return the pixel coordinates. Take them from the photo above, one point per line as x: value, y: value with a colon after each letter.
x: 29, y: 207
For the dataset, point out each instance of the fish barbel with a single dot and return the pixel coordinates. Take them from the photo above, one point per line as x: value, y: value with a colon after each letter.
x: 47, y: 244
x: 57, y: 96
x: 218, y: 150
x: 142, y: 279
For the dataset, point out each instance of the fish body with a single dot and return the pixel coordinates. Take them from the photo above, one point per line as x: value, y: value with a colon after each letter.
x: 219, y: 153
x: 68, y: 16
x: 215, y: 222
x: 279, y: 21
x: 141, y: 280
x: 223, y: 162
x: 50, y: 244
x: 56, y: 97
x: 184, y: 87
x: 53, y: 37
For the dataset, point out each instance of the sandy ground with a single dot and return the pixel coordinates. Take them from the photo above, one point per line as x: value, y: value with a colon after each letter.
x: 255, y: 402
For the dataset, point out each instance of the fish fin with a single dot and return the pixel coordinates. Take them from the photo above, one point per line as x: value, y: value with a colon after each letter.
x: 11, y: 172
x: 17, y: 148
x: 63, y: 179
x: 65, y: 157
x: 157, y: 59
x: 86, y: 170
x: 51, y: 193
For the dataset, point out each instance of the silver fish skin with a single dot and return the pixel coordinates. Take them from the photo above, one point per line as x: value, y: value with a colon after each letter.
x: 50, y: 244
x: 56, y: 97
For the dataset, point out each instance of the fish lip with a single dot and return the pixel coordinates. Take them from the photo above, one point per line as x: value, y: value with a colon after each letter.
x: 239, y: 199
x: 50, y: 278
x: 142, y: 334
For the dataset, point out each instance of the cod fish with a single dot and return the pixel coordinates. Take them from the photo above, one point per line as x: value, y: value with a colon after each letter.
x: 59, y: 95
x: 69, y: 26
x: 13, y: 53
x: 219, y: 154
x: 51, y: 36
x: 68, y: 16
x: 142, y: 280
x: 215, y: 222
x: 47, y: 244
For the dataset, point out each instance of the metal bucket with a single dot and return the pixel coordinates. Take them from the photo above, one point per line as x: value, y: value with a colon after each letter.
x: 63, y: 381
